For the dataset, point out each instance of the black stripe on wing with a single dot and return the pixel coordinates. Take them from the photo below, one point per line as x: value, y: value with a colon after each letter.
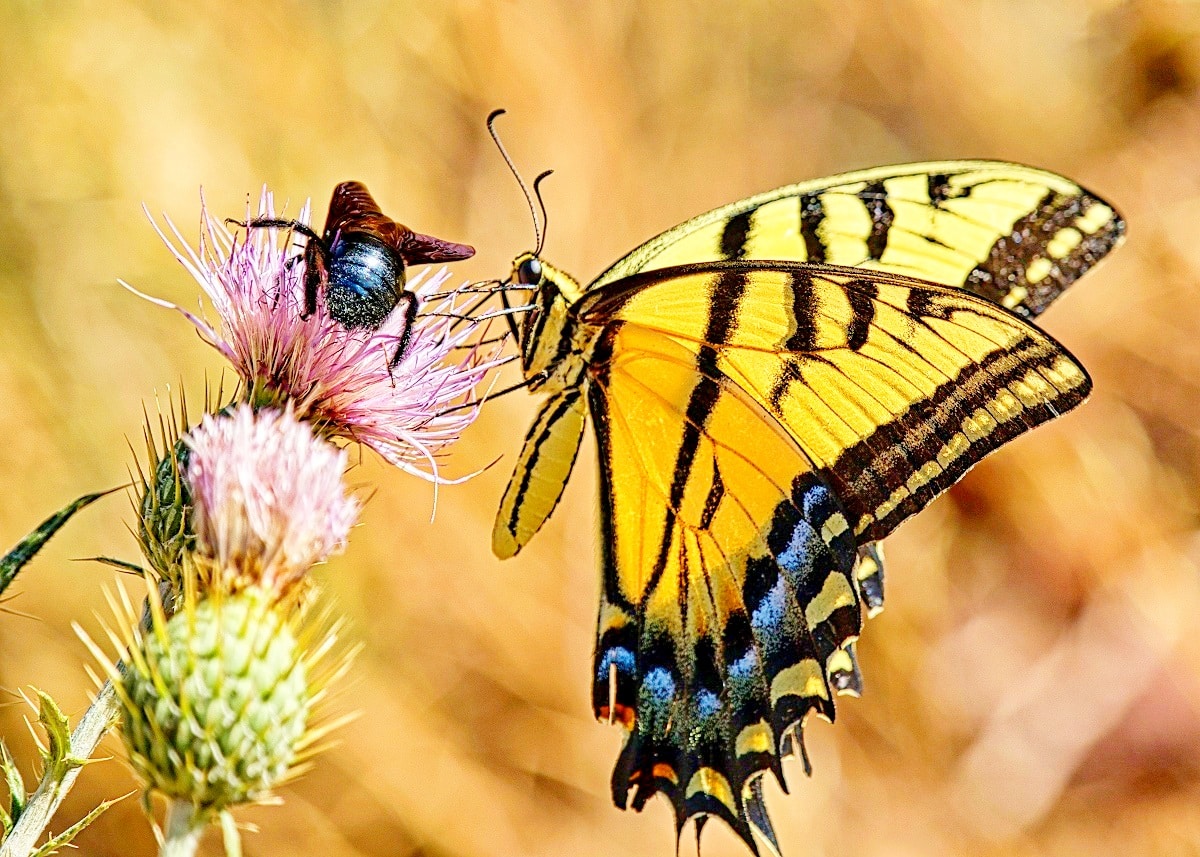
x: 1021, y: 274
x: 709, y: 715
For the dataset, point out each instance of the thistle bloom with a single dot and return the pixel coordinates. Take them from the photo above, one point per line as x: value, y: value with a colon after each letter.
x: 268, y: 500
x: 217, y: 684
x: 337, y: 378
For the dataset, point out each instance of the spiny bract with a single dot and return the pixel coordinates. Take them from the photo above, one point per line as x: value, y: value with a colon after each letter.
x: 216, y: 701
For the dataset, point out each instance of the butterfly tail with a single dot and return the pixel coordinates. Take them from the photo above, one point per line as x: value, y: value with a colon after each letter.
x: 716, y: 694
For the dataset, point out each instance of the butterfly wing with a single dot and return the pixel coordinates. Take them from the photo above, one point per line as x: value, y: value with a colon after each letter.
x: 542, y: 470
x: 1015, y: 235
x: 757, y: 424
x: 725, y: 590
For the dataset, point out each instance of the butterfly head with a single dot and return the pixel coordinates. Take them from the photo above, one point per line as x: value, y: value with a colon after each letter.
x: 548, y: 320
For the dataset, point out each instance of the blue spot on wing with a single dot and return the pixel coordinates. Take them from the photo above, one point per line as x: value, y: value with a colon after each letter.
x: 745, y: 666
x: 818, y: 504
x: 797, y: 558
x: 768, y: 615
x: 707, y: 704
x: 659, y: 684
x: 619, y: 655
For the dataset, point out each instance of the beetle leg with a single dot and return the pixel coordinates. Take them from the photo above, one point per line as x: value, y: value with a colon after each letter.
x: 273, y: 223
x: 409, y: 300
x: 314, y: 275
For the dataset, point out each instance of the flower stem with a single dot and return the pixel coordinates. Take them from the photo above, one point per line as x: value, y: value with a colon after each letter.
x: 96, y: 721
x: 184, y: 828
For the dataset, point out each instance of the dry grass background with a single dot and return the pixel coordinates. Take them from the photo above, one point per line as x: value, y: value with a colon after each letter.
x: 1034, y: 685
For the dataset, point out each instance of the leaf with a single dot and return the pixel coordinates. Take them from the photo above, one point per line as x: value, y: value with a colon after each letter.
x: 16, y: 789
x: 16, y: 559
x: 119, y: 564
x: 57, y: 756
x: 53, y: 844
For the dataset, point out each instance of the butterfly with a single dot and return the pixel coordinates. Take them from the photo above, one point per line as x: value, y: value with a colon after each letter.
x: 774, y: 387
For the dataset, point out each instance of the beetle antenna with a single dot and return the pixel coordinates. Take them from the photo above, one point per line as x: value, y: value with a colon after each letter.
x: 491, y: 126
x: 537, y: 191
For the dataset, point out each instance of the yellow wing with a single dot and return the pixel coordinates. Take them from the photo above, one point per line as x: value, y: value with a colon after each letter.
x: 757, y: 423
x: 1015, y: 235
x: 891, y: 386
x: 541, y: 474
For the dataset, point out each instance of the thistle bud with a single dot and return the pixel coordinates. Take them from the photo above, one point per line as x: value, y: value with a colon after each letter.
x: 165, y: 510
x: 216, y: 700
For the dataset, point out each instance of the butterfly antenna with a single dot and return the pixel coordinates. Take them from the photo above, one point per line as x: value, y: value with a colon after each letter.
x: 487, y: 397
x: 491, y: 126
x: 537, y: 191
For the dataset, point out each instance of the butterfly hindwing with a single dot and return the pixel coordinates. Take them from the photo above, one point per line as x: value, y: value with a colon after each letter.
x: 1015, y: 235
x: 727, y: 582
x: 759, y: 426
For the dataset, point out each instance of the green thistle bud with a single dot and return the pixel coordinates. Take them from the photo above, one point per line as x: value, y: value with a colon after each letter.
x: 216, y: 701
x: 165, y: 526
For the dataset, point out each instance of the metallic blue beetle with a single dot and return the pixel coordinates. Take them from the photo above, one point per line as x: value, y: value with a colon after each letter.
x: 360, y: 261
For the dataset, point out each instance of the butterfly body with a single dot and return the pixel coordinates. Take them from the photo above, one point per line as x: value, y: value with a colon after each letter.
x: 774, y: 387
x: 556, y: 344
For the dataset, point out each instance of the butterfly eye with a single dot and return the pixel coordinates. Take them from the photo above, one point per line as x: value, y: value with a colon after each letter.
x: 529, y: 272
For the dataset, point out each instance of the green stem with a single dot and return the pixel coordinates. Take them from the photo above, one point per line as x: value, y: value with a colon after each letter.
x: 184, y: 828
x: 101, y: 716
x: 96, y: 721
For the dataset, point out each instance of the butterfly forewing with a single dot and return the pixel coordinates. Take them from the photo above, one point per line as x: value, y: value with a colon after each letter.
x: 892, y: 387
x: 1015, y: 235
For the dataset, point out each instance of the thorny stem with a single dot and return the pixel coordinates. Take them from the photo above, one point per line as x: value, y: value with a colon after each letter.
x: 95, y: 723
x: 101, y: 716
x: 184, y: 828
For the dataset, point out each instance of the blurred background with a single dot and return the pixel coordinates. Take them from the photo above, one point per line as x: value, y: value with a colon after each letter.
x: 1034, y: 684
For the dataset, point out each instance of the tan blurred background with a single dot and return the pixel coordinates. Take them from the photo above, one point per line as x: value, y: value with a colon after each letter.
x: 1034, y: 685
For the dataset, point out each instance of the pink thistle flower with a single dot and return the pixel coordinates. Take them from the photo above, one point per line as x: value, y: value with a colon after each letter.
x: 337, y: 378
x: 269, y: 501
